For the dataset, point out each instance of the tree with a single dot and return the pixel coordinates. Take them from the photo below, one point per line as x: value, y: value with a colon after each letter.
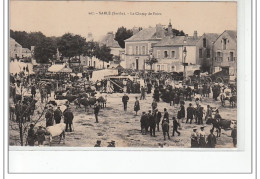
x: 121, y: 35
x: 177, y: 32
x: 45, y: 50
x: 151, y: 61
x: 71, y: 45
x: 103, y: 53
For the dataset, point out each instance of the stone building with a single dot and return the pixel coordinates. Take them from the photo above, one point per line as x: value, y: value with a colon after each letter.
x: 170, y: 52
x: 26, y: 52
x: 204, y: 51
x: 225, y: 52
x: 16, y: 50
x: 138, y: 48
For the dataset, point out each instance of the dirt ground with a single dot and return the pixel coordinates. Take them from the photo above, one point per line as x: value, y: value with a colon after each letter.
x: 124, y: 127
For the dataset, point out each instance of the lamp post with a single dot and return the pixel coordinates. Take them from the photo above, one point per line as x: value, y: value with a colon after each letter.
x: 184, y: 64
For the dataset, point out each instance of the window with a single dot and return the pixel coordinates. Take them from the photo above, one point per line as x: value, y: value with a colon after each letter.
x: 173, y: 54
x: 136, y: 50
x: 224, y: 44
x: 218, y: 54
x: 158, y: 54
x: 158, y: 67
x: 231, y: 56
x: 200, y: 53
x: 204, y: 43
x: 94, y: 64
x: 208, y: 53
x: 89, y: 63
x: 143, y: 50
x: 130, y: 50
x: 165, y: 54
x: 162, y: 67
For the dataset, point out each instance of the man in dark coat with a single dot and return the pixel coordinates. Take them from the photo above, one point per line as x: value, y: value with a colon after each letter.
x: 211, y: 140
x: 175, y: 127
x: 156, y: 94
x: 152, y: 120
x: 199, y: 114
x: 49, y: 117
x: 125, y: 99
x: 31, y: 136
x: 234, y: 135
x: 154, y: 105
x: 68, y: 118
x: 96, y: 111
x: 57, y: 115
x: 143, y: 123
x: 149, y: 88
x: 33, y: 91
x: 158, y: 119
x: 166, y: 114
x: 190, y: 113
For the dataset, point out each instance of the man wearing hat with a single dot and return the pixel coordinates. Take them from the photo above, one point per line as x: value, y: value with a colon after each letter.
x: 98, y: 144
x: 202, y: 137
x: 176, y: 124
x: 125, y: 99
x: 143, y: 123
x: 194, y: 138
x: 96, y: 111
x: 68, y: 118
x: 40, y: 135
x: 49, y: 117
x: 190, y: 113
x: 31, y: 136
x: 211, y: 140
x: 57, y: 115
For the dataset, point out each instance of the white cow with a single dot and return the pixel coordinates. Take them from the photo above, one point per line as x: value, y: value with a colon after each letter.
x: 56, y: 130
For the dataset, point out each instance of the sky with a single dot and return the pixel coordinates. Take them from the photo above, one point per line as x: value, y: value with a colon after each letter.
x: 54, y: 18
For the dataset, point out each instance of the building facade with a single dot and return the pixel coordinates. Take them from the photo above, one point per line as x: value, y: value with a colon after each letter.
x: 205, y: 51
x: 225, y: 52
x: 172, y: 51
x: 138, y: 48
x: 16, y: 50
x: 26, y: 53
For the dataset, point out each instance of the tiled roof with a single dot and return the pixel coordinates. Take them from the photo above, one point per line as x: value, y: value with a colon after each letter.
x: 232, y: 34
x: 109, y: 41
x: 212, y: 37
x: 145, y: 34
x: 177, y: 41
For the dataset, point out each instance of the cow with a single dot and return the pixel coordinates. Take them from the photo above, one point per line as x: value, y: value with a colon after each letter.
x: 55, y: 131
x: 102, y: 101
x: 221, y: 124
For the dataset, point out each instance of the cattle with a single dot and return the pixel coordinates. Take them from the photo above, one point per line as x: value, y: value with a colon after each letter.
x: 102, y: 102
x: 55, y: 131
x: 221, y: 124
x: 71, y: 98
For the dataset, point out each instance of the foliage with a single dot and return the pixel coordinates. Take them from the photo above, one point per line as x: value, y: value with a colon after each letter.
x: 177, y: 32
x: 90, y: 49
x: 123, y: 34
x: 71, y: 45
x: 104, y: 53
x: 45, y: 50
x: 151, y: 61
x: 26, y: 40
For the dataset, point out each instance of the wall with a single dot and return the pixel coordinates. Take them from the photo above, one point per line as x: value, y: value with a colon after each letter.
x: 224, y: 59
x: 15, y: 49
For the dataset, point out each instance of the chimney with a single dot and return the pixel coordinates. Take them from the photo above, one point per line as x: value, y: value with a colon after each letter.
x: 159, y: 31
x: 135, y: 30
x: 170, y: 33
x: 195, y: 35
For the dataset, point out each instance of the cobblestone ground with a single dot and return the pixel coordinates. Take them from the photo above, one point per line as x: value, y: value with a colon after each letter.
x: 124, y: 127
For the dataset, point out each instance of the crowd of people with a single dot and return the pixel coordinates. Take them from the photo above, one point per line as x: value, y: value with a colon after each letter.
x: 165, y: 89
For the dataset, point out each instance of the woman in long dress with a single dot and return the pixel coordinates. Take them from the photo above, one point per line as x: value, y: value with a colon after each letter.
x: 136, y: 106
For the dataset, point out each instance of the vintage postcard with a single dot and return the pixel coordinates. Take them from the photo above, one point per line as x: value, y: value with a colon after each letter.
x: 123, y: 74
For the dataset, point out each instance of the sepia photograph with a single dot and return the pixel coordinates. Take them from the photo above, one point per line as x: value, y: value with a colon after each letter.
x: 123, y: 74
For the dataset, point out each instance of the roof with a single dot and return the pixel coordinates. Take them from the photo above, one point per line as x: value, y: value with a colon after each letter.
x: 14, y: 41
x: 212, y: 37
x: 177, y: 41
x: 109, y: 40
x: 232, y: 34
x: 145, y: 34
x: 59, y: 68
x: 26, y: 50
